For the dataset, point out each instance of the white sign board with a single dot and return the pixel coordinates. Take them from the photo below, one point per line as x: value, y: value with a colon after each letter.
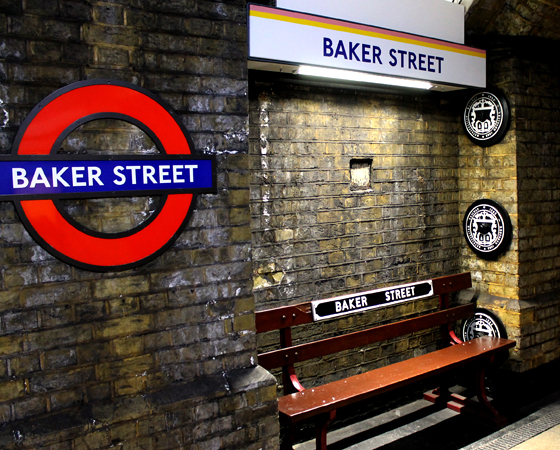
x: 430, y: 18
x: 303, y: 39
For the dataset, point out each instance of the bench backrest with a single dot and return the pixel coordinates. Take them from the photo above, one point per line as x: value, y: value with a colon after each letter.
x: 284, y: 318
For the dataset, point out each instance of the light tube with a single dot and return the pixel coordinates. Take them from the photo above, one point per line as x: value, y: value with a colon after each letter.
x: 361, y: 77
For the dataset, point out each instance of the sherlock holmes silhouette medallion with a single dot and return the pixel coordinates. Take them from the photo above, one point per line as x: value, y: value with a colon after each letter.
x: 486, y: 118
x: 487, y: 228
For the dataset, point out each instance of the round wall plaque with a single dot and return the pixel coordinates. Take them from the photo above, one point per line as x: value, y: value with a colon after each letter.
x: 487, y: 228
x: 486, y: 118
x: 483, y: 323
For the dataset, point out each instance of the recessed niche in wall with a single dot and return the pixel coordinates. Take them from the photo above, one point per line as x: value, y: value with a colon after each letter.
x: 360, y: 174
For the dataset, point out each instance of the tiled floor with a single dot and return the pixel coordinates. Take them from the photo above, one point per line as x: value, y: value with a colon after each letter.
x: 419, y: 425
x: 548, y: 440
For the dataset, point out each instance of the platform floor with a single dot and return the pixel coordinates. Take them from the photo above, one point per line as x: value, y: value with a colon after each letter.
x: 420, y: 425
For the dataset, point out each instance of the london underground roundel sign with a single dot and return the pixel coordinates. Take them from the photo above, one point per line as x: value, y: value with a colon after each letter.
x: 35, y: 177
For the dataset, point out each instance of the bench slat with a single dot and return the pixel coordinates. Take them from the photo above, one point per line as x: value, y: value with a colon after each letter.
x: 323, y: 399
x: 452, y: 283
x: 283, y: 317
x: 304, y: 352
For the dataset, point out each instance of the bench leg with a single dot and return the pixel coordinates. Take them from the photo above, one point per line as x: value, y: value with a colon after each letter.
x: 321, y: 430
x: 458, y: 403
x: 288, y: 435
x: 438, y: 396
x: 498, y: 419
x: 483, y: 408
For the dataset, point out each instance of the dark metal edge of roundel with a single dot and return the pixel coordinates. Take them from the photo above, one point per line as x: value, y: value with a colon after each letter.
x: 507, y: 232
x: 497, y: 327
x: 504, y: 127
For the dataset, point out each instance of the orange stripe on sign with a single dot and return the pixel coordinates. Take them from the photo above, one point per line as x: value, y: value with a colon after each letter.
x: 364, y: 30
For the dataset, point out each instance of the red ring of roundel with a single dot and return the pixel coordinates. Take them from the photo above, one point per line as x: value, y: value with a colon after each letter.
x: 44, y: 126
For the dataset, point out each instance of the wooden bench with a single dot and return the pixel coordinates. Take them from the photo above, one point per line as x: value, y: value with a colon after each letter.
x: 321, y: 403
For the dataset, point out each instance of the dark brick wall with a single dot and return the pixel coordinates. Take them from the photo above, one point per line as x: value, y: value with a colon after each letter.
x: 162, y: 356
x: 537, y: 100
x: 318, y: 234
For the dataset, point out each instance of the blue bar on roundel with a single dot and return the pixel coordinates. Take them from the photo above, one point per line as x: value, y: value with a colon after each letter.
x: 90, y: 178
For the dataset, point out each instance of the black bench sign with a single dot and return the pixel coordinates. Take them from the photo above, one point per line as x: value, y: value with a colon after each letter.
x: 364, y: 301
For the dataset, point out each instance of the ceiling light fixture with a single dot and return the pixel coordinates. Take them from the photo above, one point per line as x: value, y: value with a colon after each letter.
x: 361, y: 77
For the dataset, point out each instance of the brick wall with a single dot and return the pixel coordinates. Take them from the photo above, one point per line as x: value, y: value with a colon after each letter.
x: 320, y: 230
x: 315, y: 233
x: 538, y: 141
x: 162, y: 356
x: 491, y: 173
x: 522, y: 174
x: 536, y: 317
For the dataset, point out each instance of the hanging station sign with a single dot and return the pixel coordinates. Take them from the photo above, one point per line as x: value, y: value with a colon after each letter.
x: 487, y: 228
x: 439, y: 20
x: 296, y: 38
x: 35, y: 177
